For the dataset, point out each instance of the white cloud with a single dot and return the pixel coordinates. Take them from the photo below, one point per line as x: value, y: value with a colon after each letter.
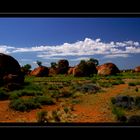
x: 26, y: 60
x: 80, y: 58
x: 87, y: 47
x: 116, y: 55
x: 6, y: 49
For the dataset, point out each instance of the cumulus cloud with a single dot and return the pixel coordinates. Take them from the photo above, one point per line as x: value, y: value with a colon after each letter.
x: 6, y: 49
x: 90, y: 47
x: 87, y: 47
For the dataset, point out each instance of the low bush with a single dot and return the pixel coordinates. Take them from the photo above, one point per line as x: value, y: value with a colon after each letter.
x: 105, y: 84
x: 87, y: 88
x: 19, y: 93
x: 113, y: 100
x: 24, y: 104
x: 3, y: 95
x: 31, y: 103
x: 117, y: 82
x: 134, y: 119
x: 133, y: 83
x: 44, y: 100
x: 65, y: 94
x: 119, y: 113
x: 41, y: 116
x: 137, y: 101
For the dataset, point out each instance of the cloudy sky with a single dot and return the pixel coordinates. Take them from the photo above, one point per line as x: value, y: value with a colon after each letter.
x: 48, y: 40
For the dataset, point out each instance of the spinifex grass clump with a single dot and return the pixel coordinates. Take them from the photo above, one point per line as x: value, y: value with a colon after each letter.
x: 120, y: 115
x: 86, y: 88
x: 123, y: 101
x: 133, y: 83
x: 24, y: 104
x: 41, y: 117
x: 19, y: 93
x: 31, y: 103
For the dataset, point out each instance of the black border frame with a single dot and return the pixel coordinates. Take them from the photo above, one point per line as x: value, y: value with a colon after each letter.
x: 69, y: 15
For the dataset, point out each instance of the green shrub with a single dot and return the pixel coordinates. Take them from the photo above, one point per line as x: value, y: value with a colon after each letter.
x: 105, y: 84
x: 24, y: 104
x: 33, y: 87
x: 117, y: 82
x: 86, y: 88
x: 56, y: 116
x: 75, y: 101
x: 113, y: 100
x: 133, y: 83
x: 137, y: 101
x: 118, y: 112
x: 44, y: 100
x: 66, y: 109
x: 19, y: 93
x: 14, y: 96
x: 3, y: 95
x: 41, y: 116
x: 52, y: 87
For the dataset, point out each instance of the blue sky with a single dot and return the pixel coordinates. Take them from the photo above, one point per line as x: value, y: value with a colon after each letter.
x: 29, y: 39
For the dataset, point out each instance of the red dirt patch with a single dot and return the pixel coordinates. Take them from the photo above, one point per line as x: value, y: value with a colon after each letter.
x: 100, y: 110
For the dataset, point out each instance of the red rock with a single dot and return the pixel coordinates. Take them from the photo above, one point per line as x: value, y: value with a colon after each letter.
x: 107, y: 69
x: 84, y: 69
x: 52, y: 71
x: 8, y: 65
x: 40, y: 71
x: 63, y: 66
x: 10, y: 70
x: 70, y: 71
x: 137, y: 69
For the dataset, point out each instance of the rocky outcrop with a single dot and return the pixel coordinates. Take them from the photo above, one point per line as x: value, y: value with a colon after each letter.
x: 52, y: 71
x: 137, y: 69
x: 10, y: 71
x: 40, y: 71
x: 107, y: 69
x: 70, y: 71
x: 85, y: 69
x: 63, y: 66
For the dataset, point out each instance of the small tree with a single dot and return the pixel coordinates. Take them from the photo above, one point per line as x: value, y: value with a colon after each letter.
x: 27, y: 67
x: 39, y: 63
x: 95, y: 61
x: 53, y: 64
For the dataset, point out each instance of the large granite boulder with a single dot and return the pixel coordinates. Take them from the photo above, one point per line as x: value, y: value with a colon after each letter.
x: 107, y: 69
x: 53, y: 71
x: 10, y: 71
x: 63, y: 66
x: 84, y: 69
x: 70, y: 70
x: 40, y: 71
